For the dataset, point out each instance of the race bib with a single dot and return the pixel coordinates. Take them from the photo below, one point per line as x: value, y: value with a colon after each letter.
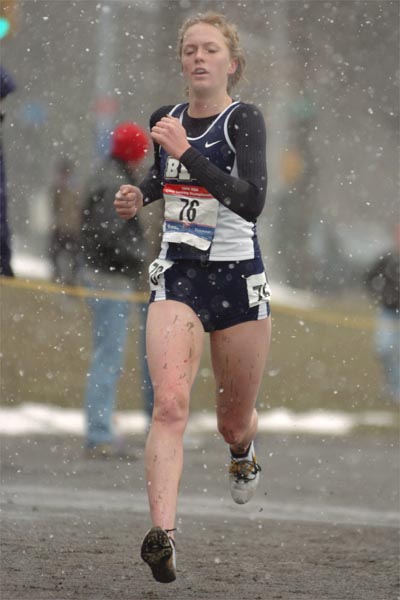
x: 190, y: 215
x: 156, y: 273
x: 258, y: 289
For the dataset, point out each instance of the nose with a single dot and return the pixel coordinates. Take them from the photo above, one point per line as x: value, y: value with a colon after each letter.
x: 199, y: 55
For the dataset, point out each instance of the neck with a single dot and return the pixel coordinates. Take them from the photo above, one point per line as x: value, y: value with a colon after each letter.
x: 206, y: 107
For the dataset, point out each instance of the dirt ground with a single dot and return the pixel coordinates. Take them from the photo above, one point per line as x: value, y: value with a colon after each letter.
x: 323, y: 523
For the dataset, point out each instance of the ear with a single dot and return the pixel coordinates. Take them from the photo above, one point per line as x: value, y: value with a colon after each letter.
x: 233, y: 66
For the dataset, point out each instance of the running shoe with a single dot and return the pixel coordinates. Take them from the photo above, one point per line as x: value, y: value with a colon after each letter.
x: 244, y: 475
x: 158, y: 551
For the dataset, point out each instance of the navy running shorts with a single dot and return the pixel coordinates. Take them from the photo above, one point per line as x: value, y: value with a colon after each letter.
x: 222, y: 294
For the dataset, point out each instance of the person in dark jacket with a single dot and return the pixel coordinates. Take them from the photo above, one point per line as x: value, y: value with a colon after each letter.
x: 383, y: 283
x: 7, y: 85
x: 114, y: 255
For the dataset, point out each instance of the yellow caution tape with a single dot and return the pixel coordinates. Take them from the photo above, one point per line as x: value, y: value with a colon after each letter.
x: 335, y: 319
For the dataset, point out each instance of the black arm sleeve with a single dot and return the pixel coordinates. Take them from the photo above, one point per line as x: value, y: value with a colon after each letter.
x: 245, y: 194
x: 151, y: 186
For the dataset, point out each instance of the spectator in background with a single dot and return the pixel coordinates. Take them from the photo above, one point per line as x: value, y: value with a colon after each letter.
x: 66, y: 228
x: 114, y: 258
x: 382, y: 281
x: 7, y: 86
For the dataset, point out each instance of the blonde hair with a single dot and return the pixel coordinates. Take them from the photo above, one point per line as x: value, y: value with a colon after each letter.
x: 230, y: 34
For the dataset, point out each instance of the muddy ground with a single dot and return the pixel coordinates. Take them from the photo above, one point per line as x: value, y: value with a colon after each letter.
x: 323, y: 523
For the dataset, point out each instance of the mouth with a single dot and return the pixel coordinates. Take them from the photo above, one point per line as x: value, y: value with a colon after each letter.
x: 199, y: 71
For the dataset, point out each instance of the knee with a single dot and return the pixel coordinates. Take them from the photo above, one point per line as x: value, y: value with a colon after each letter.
x: 171, y: 408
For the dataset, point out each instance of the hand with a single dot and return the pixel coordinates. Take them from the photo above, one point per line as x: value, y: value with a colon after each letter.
x: 128, y: 201
x: 171, y: 135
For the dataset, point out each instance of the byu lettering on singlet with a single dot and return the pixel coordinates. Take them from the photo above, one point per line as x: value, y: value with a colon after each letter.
x: 192, y: 215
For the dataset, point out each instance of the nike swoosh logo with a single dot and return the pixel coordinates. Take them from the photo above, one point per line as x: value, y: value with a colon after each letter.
x: 208, y: 144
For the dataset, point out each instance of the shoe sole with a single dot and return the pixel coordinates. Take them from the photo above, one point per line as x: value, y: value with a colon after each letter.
x: 157, y: 552
x: 241, y: 495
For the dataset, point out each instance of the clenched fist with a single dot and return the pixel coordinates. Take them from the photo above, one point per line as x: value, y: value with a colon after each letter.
x: 171, y: 135
x: 128, y: 201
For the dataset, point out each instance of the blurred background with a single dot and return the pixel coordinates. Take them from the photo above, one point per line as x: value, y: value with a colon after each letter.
x: 324, y: 74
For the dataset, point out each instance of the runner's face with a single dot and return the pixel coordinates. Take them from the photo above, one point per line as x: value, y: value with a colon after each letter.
x: 206, y: 60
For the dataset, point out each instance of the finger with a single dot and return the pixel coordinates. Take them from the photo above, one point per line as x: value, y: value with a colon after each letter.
x: 126, y: 213
x: 165, y: 122
x: 125, y: 189
x: 159, y: 127
x: 129, y: 197
x: 156, y: 136
x: 125, y: 210
x: 118, y: 202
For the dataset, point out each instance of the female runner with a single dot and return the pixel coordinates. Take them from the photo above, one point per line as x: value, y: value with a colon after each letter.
x: 210, y: 167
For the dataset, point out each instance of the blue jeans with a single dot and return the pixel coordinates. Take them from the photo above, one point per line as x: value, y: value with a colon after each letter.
x: 387, y: 342
x: 110, y: 321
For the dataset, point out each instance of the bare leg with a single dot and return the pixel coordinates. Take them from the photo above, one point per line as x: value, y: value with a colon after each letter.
x: 175, y: 339
x: 239, y: 355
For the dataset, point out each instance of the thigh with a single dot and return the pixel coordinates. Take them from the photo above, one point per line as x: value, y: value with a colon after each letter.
x: 175, y: 339
x: 239, y: 355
